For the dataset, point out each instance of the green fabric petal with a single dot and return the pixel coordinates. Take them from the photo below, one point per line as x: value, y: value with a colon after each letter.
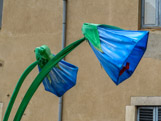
x: 91, y: 33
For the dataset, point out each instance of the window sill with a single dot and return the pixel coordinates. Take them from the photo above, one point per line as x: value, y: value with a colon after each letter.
x: 151, y: 29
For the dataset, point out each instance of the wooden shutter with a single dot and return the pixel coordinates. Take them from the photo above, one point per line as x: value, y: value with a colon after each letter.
x: 146, y: 114
x: 159, y: 114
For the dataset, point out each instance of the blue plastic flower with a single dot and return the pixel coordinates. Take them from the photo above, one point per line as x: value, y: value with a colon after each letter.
x: 61, y: 78
x: 119, y: 51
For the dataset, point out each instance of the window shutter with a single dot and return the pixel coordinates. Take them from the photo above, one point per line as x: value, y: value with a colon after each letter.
x: 146, y: 114
x: 159, y: 114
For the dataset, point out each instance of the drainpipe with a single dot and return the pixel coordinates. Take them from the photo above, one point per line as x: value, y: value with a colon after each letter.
x: 63, y: 45
x: 64, y: 23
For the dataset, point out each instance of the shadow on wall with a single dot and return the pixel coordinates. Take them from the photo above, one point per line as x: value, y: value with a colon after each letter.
x: 1, y: 63
x: 154, y: 45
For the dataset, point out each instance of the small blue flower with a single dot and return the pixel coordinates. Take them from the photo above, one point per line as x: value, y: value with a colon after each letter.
x: 61, y: 78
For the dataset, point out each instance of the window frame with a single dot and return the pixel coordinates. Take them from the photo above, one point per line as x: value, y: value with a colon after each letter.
x: 158, y: 16
x: 131, y: 110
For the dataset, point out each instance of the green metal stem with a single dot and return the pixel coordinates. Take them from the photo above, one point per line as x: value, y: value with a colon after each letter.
x: 45, y: 70
x: 16, y: 90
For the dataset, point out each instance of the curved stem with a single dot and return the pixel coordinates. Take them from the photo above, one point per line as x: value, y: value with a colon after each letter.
x: 45, y: 70
x: 16, y: 90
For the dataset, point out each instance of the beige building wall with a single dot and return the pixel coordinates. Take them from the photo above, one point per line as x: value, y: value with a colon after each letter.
x: 26, y: 25
x: 32, y: 23
x: 96, y: 97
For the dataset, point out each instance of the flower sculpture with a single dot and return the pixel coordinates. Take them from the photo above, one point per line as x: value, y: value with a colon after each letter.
x: 61, y: 78
x: 119, y: 52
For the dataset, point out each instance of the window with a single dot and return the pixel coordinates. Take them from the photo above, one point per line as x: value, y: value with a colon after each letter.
x: 144, y: 107
x: 1, y: 7
x: 151, y: 14
x: 149, y: 114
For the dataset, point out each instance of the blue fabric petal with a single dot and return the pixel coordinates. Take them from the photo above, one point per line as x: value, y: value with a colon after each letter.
x: 121, y: 49
x: 60, y: 79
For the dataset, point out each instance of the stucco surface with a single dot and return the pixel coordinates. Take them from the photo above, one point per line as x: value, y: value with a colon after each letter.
x: 154, y: 45
x: 96, y: 97
x: 26, y: 25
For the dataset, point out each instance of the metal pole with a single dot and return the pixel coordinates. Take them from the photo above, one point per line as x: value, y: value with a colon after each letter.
x: 64, y: 23
x: 63, y: 45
